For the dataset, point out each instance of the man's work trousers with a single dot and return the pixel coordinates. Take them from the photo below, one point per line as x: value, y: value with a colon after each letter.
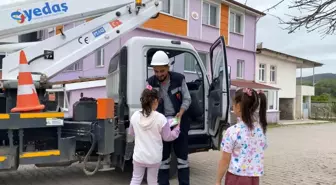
x: 180, y: 146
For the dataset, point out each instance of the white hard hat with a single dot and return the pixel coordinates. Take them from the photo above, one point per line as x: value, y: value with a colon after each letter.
x: 160, y: 58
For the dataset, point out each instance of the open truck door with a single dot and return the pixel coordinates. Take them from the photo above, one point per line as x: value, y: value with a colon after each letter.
x: 218, y: 99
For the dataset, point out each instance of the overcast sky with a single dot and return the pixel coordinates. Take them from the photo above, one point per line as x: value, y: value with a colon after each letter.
x: 302, y: 44
x: 310, y: 46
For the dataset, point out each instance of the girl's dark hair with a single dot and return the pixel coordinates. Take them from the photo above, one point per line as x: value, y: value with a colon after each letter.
x: 250, y: 100
x: 148, y: 96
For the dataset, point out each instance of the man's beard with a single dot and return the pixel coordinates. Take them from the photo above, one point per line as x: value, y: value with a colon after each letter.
x: 163, y: 79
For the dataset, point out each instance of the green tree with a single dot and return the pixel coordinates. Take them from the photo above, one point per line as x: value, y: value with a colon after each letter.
x: 321, y: 98
x: 327, y: 86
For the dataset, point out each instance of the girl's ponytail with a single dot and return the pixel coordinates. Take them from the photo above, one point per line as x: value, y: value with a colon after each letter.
x: 148, y: 96
x: 262, y: 110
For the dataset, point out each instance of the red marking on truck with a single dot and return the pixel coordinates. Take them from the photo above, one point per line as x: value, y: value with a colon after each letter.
x: 115, y: 23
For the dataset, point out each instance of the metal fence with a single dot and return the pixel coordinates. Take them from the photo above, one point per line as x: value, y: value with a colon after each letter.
x: 323, y: 110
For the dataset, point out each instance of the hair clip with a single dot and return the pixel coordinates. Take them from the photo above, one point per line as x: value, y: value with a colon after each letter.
x: 247, y: 91
x: 260, y: 91
x: 149, y: 87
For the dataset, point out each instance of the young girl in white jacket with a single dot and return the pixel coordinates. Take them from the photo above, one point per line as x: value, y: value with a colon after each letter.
x: 149, y: 128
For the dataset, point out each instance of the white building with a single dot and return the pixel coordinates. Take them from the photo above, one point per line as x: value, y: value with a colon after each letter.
x: 292, y: 100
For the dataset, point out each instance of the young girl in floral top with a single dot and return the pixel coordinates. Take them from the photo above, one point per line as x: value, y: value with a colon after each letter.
x: 244, y: 143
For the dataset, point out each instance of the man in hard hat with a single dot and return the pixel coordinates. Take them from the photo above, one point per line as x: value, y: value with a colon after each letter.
x: 174, y: 101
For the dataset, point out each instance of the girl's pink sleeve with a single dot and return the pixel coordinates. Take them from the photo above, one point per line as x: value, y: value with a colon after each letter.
x: 168, y: 134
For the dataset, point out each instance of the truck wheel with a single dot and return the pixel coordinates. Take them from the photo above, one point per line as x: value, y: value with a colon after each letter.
x: 221, y: 133
x: 173, y: 165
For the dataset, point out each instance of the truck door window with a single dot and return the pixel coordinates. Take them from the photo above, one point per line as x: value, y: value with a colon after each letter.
x: 114, y: 63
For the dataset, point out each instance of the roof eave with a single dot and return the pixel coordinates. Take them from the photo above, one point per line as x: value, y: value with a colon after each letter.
x: 314, y: 64
x: 245, y: 7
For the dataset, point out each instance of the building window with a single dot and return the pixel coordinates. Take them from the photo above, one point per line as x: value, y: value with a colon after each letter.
x: 190, y: 63
x: 100, y: 58
x: 78, y: 66
x: 210, y: 14
x: 271, y: 99
x: 262, y: 68
x: 236, y: 22
x: 175, y: 8
x: 272, y: 74
x: 240, y: 69
x: 203, y: 57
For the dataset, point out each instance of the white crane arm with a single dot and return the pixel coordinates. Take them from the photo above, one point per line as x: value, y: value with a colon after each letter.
x: 80, y: 41
x: 26, y: 17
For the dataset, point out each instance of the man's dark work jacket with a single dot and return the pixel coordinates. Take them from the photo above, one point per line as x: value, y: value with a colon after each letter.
x: 174, y: 91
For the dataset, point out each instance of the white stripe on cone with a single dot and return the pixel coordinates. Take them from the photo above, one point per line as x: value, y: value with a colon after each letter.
x: 24, y: 68
x: 26, y: 89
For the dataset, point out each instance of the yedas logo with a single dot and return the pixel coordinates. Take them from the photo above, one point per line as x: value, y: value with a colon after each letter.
x: 22, y: 16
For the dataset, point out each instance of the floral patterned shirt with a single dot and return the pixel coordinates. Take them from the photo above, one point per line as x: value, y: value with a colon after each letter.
x: 247, y: 149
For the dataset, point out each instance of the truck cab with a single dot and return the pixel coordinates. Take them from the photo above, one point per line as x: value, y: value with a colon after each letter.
x: 130, y: 67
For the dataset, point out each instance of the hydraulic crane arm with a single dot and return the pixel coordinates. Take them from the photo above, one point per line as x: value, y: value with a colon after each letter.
x: 26, y: 17
x: 51, y: 56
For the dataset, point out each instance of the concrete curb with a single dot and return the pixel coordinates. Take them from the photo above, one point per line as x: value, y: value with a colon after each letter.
x: 305, y: 123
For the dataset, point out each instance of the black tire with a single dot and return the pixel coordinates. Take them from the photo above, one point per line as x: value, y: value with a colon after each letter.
x: 220, y: 135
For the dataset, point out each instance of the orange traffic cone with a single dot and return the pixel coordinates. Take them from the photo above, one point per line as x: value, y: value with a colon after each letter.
x: 27, y: 99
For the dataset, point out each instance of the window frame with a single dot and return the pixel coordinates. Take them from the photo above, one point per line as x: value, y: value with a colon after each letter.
x: 100, y: 60
x: 195, y: 70
x: 275, y: 99
x: 209, y: 13
x: 242, y: 69
x: 242, y: 22
x: 264, y: 71
x: 275, y: 73
x: 72, y: 67
x: 171, y: 9
x: 114, y: 63
x: 205, y: 63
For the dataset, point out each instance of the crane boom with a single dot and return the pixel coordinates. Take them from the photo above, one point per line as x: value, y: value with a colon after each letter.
x: 30, y: 16
x: 51, y: 56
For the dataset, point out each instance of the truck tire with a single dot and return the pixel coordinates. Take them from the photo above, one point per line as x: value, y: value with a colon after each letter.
x: 221, y: 133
